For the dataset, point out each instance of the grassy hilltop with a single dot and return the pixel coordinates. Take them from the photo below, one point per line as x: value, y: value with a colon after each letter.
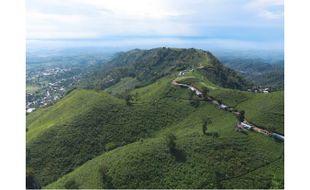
x: 131, y: 128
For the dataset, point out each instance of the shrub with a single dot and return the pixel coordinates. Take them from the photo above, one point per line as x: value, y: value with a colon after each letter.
x: 110, y: 146
x: 71, y: 184
x: 170, y: 139
x: 31, y: 181
x: 129, y: 99
x: 205, y: 125
x: 195, y: 103
x: 213, y: 134
x: 241, y: 116
x: 204, y: 128
x: 106, y: 179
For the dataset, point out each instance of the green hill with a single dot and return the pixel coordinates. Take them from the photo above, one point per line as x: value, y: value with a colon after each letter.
x: 63, y: 146
x: 258, y: 71
x: 147, y: 66
x: 144, y: 132
x: 74, y: 104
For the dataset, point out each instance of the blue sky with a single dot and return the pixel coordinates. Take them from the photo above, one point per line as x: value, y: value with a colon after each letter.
x: 247, y: 24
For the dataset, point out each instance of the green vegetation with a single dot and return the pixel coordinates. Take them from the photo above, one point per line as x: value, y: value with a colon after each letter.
x: 31, y: 181
x: 144, y: 132
x: 32, y: 88
x: 54, y: 152
x: 258, y: 71
x: 241, y: 116
x: 265, y: 110
x: 203, y: 161
x: 171, y: 142
x: 205, y: 125
x: 71, y: 184
x: 123, y: 86
x: 74, y: 104
x: 146, y: 66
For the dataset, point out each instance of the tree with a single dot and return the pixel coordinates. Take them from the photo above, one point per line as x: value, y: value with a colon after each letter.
x: 171, y: 142
x: 205, y: 91
x: 195, y: 103
x: 71, y: 184
x: 106, y: 179
x: 31, y: 181
x: 241, y: 116
x: 129, y: 100
x: 218, y: 177
x: 110, y: 146
x: 204, y: 127
x: 220, y: 102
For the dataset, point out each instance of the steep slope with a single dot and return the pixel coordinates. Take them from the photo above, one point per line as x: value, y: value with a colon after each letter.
x: 108, y: 123
x: 74, y: 104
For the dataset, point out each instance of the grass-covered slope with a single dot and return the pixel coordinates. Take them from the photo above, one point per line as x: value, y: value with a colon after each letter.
x: 124, y: 85
x: 202, y: 161
x: 110, y: 122
x: 76, y: 103
x: 263, y: 110
x: 266, y: 110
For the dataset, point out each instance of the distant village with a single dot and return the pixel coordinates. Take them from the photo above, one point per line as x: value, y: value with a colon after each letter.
x: 48, y: 85
x: 260, y: 89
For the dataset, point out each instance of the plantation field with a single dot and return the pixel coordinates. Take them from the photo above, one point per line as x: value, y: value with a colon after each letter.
x: 124, y: 85
x: 202, y: 161
x: 76, y: 103
x: 266, y: 110
x: 87, y: 133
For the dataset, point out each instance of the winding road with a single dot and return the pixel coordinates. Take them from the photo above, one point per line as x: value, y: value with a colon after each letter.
x: 245, y: 124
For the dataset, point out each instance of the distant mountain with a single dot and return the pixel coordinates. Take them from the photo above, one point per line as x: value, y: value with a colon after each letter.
x: 260, y: 72
x: 146, y: 66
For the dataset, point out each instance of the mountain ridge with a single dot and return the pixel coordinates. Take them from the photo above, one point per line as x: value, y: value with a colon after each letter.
x: 149, y: 65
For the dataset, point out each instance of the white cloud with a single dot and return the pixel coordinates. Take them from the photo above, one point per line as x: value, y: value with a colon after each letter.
x: 103, y: 18
x: 267, y: 2
x: 268, y: 9
x: 146, y: 9
x: 270, y: 14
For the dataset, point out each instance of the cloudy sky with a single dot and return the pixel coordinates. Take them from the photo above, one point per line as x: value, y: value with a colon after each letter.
x: 139, y: 23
